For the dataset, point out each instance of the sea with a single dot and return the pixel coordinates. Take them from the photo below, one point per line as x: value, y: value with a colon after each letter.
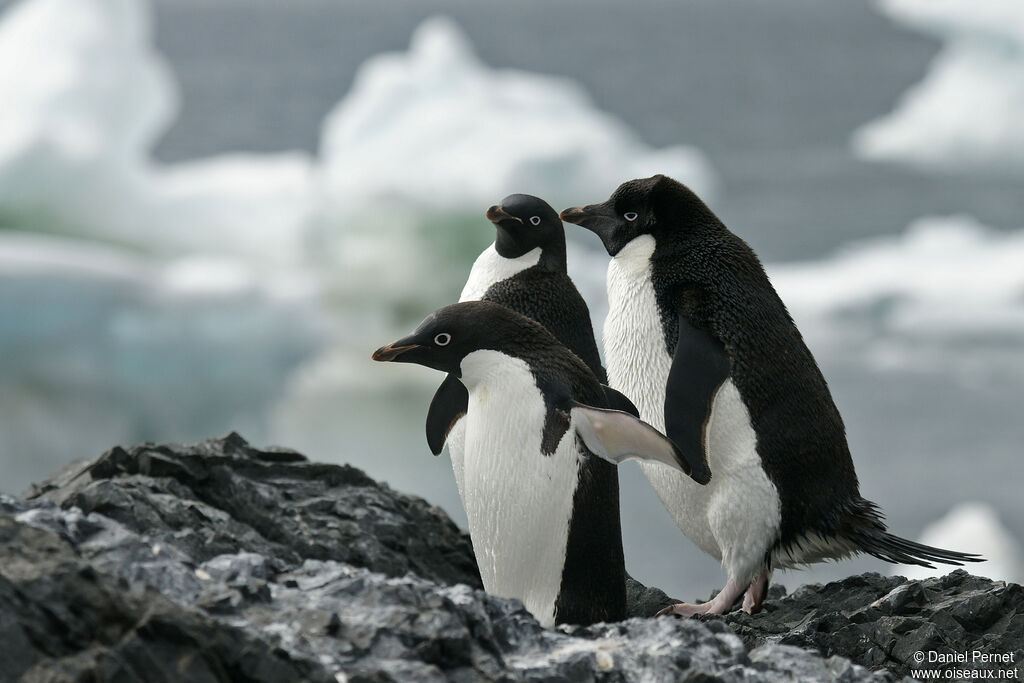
x: 130, y: 310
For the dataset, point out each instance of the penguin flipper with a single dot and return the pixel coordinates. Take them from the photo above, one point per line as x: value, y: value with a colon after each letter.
x: 615, y: 436
x: 619, y: 401
x: 557, y: 403
x: 450, y: 403
x: 699, y: 367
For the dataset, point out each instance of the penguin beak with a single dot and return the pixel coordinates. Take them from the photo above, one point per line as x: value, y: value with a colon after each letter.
x: 598, y: 218
x: 394, y: 351
x: 496, y: 214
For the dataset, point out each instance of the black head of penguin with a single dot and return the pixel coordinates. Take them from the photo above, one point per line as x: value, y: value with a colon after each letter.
x: 451, y: 333
x: 653, y: 206
x: 524, y: 223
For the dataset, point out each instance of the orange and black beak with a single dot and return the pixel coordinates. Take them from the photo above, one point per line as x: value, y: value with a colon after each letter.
x: 600, y: 219
x: 497, y: 214
x: 394, y: 351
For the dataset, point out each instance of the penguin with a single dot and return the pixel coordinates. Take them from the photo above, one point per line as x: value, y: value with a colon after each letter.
x: 525, y: 270
x: 697, y: 336
x: 540, y: 485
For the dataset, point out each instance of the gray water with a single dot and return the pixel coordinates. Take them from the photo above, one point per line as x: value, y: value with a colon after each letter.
x: 769, y: 91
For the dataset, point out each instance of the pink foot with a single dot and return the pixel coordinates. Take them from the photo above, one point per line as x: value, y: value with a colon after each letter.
x: 720, y: 604
x: 684, y: 609
x: 756, y: 593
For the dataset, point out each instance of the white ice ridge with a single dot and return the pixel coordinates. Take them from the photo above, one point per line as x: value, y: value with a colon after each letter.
x: 942, y: 276
x: 437, y: 127
x: 974, y: 528
x: 967, y: 112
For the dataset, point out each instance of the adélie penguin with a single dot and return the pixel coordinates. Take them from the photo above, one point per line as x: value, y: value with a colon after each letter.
x: 539, y: 484
x: 698, y: 338
x: 525, y: 270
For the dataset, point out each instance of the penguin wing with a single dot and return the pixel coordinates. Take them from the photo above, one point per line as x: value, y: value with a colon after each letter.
x: 619, y: 401
x: 615, y: 436
x: 450, y: 402
x: 699, y: 367
x: 557, y: 403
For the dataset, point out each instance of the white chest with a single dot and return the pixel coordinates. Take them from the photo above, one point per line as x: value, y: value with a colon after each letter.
x: 518, y: 501
x: 634, y: 344
x: 491, y: 267
x: 739, y: 507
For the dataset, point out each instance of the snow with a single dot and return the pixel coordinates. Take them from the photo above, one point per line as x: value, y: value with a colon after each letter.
x: 966, y: 113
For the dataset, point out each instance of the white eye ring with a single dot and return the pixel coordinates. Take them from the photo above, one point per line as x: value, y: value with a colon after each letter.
x: 535, y: 220
x: 630, y: 215
x: 443, y: 339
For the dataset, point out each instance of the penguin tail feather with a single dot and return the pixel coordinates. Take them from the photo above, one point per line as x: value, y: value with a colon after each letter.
x: 867, y: 531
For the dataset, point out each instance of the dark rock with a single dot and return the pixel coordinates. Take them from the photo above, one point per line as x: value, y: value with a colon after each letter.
x: 225, y: 497
x: 219, y: 562
x: 645, y: 601
x: 879, y: 621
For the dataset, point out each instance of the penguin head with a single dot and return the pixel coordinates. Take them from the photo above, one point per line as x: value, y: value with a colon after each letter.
x: 451, y: 333
x: 655, y: 206
x: 523, y: 223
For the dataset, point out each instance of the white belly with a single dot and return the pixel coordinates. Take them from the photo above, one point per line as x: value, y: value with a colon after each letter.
x: 489, y: 268
x: 734, y: 518
x: 518, y: 501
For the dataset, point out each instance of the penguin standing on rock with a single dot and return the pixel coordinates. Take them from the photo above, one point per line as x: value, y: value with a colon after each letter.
x: 525, y: 270
x: 699, y: 339
x: 539, y: 484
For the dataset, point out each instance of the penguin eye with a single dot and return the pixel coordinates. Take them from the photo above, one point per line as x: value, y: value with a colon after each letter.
x: 442, y: 339
x: 630, y: 215
x: 535, y: 220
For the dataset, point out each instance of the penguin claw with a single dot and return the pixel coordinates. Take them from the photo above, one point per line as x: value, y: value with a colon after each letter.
x: 684, y: 609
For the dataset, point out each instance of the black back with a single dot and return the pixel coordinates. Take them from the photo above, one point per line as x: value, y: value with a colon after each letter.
x: 548, y: 296
x: 704, y: 272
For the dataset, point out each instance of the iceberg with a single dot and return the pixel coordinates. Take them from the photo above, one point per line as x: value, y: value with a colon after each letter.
x: 943, y: 277
x: 86, y: 97
x: 101, y: 345
x: 437, y: 128
x: 427, y: 139
x: 971, y: 527
x: 966, y: 113
x: 142, y: 300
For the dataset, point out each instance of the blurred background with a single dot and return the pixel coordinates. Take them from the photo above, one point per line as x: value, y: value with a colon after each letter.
x: 212, y: 211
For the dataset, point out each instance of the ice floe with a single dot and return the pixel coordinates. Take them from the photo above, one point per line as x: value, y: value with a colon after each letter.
x: 966, y: 113
x: 101, y: 345
x: 972, y: 527
x: 943, y: 276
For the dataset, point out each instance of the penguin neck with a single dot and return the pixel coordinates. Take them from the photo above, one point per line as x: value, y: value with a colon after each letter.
x: 634, y: 259
x: 552, y: 254
x: 491, y: 267
x: 478, y: 367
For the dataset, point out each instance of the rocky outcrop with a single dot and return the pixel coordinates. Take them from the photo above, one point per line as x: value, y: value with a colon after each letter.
x: 219, y: 561
x: 882, y: 621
